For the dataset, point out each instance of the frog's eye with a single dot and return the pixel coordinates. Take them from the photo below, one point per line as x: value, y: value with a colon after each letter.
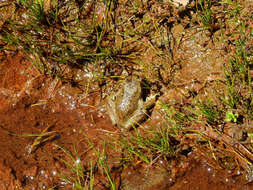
x: 114, y: 98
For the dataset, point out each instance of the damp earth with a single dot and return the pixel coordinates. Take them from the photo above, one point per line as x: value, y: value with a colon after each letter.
x: 58, y: 70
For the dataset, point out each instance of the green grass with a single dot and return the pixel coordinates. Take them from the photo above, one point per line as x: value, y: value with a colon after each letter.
x: 209, y: 111
x: 83, y: 177
x: 50, y: 38
x: 238, y: 95
x: 206, y: 14
x: 102, y: 161
x: 153, y: 145
x: 78, y: 180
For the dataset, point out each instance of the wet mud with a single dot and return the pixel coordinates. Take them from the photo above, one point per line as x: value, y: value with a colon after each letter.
x: 62, y: 118
x: 50, y: 126
x: 32, y: 105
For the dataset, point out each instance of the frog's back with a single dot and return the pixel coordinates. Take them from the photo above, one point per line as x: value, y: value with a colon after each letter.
x: 131, y: 96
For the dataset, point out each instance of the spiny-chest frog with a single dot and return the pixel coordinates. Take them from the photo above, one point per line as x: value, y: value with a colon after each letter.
x: 126, y: 107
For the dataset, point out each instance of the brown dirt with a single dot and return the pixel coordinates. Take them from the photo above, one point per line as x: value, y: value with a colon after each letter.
x: 22, y: 88
x: 31, y: 103
x: 202, y: 176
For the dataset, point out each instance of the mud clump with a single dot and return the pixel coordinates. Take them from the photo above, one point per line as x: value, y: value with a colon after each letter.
x: 8, y: 180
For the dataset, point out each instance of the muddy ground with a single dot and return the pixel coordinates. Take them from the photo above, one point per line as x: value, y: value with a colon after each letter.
x: 32, y: 103
x: 56, y: 133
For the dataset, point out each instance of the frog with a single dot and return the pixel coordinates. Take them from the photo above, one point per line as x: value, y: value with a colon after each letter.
x: 126, y: 106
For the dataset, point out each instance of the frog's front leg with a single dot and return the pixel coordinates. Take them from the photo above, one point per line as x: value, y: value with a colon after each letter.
x: 150, y: 101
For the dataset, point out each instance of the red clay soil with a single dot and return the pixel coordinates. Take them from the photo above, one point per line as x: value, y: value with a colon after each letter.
x: 22, y: 164
x: 29, y: 104
x: 204, y: 177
